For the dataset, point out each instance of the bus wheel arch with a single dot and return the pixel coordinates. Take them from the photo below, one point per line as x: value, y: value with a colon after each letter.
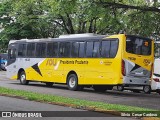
x: 22, y: 77
x: 72, y: 81
x: 19, y: 72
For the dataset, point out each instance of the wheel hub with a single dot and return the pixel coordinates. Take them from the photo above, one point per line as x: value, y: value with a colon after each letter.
x: 22, y: 77
x: 72, y: 82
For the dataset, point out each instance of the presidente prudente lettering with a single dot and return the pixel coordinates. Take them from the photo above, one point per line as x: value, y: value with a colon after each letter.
x: 53, y: 62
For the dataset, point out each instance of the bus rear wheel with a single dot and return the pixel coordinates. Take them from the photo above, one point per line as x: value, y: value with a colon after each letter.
x: 72, y: 82
x: 22, y: 78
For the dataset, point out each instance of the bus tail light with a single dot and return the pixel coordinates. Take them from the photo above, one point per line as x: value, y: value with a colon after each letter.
x: 156, y: 79
x: 123, y: 68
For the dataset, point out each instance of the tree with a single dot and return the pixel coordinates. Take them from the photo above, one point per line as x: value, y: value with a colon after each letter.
x: 51, y: 18
x: 81, y: 16
x: 138, y: 17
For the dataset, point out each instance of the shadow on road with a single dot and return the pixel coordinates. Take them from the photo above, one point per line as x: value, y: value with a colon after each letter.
x: 114, y: 93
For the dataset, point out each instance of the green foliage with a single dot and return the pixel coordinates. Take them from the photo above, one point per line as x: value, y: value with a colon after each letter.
x: 70, y: 102
x: 50, y: 18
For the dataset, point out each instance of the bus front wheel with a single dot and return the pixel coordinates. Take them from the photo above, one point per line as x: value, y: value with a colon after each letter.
x: 72, y: 82
x: 22, y: 78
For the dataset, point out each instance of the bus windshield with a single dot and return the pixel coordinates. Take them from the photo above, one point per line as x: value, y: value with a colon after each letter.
x: 138, y: 45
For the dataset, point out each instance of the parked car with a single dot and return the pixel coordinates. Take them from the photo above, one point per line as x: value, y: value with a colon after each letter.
x: 155, y: 83
x: 153, y: 87
x: 3, y: 64
x: 145, y: 89
x: 3, y: 61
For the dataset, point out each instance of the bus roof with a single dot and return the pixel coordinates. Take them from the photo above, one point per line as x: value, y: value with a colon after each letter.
x: 79, y: 35
x: 73, y: 37
x: 70, y: 37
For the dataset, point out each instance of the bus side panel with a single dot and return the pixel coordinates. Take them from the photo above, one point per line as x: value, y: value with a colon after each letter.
x: 11, y: 72
x: 48, y: 70
x: 32, y: 68
x: 76, y: 65
x: 102, y: 71
x: 107, y: 71
x: 58, y: 71
x: 54, y: 70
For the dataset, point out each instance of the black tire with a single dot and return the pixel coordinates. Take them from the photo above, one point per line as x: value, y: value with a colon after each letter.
x: 72, y: 82
x: 99, y: 88
x: 147, y: 89
x: 158, y: 91
x: 49, y: 84
x: 109, y: 87
x: 22, y: 78
x: 120, y: 88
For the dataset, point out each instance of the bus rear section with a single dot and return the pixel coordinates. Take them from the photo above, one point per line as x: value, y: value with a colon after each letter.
x: 137, y: 62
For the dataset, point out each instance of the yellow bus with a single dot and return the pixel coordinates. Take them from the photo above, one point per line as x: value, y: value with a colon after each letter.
x: 83, y: 60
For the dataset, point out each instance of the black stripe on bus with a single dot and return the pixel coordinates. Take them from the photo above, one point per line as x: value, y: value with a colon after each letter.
x: 36, y: 68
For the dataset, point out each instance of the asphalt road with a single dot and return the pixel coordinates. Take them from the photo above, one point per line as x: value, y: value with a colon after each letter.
x: 14, y: 105
x: 115, y: 97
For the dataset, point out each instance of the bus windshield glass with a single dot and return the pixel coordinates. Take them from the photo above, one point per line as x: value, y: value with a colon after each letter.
x: 137, y: 45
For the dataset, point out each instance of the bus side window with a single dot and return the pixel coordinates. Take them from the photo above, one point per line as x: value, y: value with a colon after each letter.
x: 64, y: 49
x: 61, y: 49
x: 75, y: 49
x: 52, y: 49
x: 12, y: 54
x: 49, y: 49
x: 114, y: 48
x: 96, y: 49
x: 55, y: 49
x: 30, y: 49
x: 105, y: 49
x: 41, y: 50
x: 67, y: 49
x: 81, y: 49
x: 22, y: 50
x: 89, y: 49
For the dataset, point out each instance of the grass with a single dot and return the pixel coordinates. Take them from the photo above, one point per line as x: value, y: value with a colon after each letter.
x: 70, y: 102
